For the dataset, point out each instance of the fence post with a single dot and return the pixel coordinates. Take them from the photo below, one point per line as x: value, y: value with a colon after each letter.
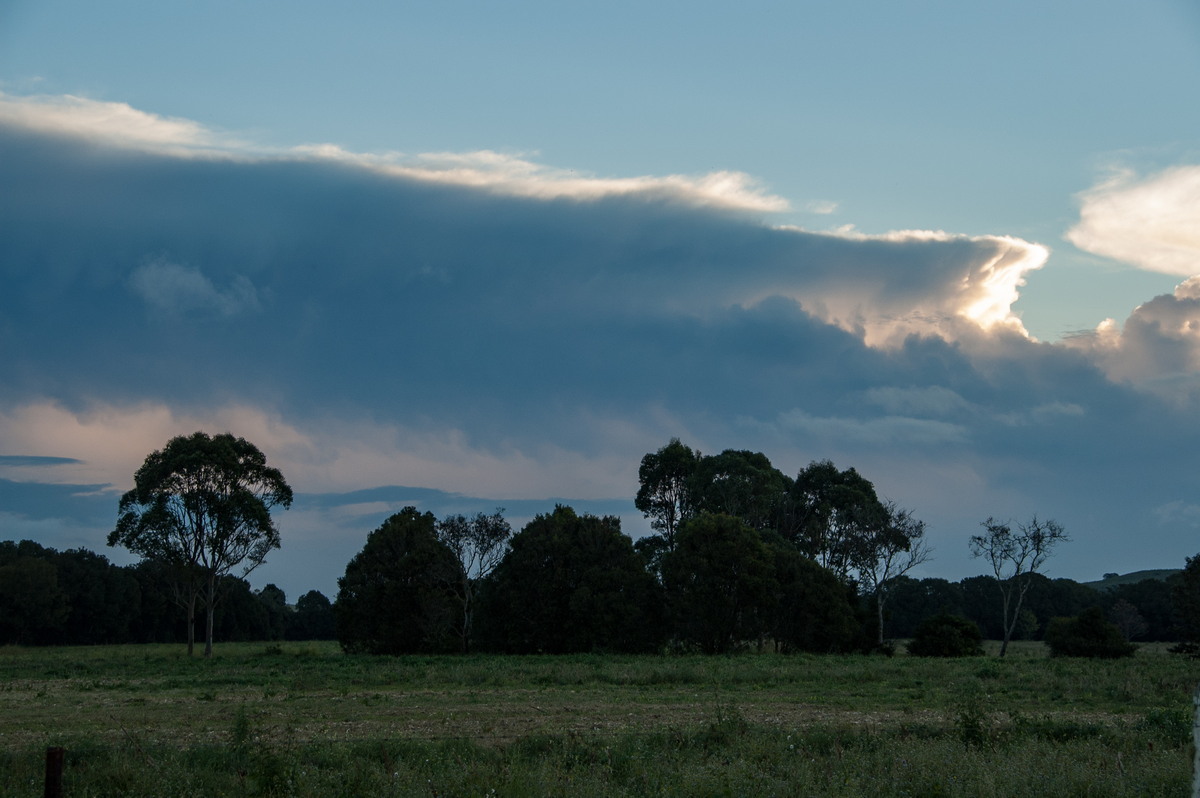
x: 54, y: 771
x: 1196, y: 743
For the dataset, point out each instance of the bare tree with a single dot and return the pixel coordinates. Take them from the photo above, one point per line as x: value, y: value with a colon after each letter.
x: 1015, y: 556
x: 479, y: 543
x: 893, y: 549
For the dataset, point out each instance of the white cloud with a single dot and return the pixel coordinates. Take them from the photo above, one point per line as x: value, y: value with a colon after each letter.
x: 113, y: 123
x: 909, y: 282
x: 1158, y: 347
x: 1151, y: 222
x: 118, y: 124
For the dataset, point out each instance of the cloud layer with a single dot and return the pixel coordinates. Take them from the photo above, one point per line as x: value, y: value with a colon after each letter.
x: 486, y: 330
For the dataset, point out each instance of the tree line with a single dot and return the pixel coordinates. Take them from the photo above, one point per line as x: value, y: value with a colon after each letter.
x: 78, y: 597
x: 741, y: 555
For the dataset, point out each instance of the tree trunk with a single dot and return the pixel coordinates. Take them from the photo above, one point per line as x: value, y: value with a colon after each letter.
x: 191, y: 623
x: 212, y: 600
x: 879, y: 611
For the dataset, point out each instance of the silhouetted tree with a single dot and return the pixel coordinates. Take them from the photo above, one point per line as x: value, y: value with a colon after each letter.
x: 313, y: 619
x: 571, y: 583
x: 665, y: 480
x: 1015, y: 556
x: 721, y: 584
x: 396, y: 596
x: 479, y: 543
x: 202, y: 505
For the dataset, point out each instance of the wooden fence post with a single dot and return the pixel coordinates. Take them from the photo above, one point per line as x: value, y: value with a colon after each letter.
x: 54, y: 771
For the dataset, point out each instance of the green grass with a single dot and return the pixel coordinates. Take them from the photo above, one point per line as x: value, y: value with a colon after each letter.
x: 305, y: 719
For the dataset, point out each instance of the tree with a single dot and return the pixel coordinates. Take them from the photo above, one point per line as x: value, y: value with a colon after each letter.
x: 313, y: 619
x: 279, y: 614
x: 479, y: 543
x: 202, y: 505
x: 397, y: 594
x: 834, y: 517
x: 664, y: 495
x: 32, y: 603
x: 888, y: 551
x: 741, y: 484
x: 812, y: 610
x: 1016, y: 555
x: 571, y: 583
x: 721, y: 584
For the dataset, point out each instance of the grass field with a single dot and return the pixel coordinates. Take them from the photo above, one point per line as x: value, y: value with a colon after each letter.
x: 305, y: 719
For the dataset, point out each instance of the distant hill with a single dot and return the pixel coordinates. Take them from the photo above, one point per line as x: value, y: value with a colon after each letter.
x: 1109, y: 582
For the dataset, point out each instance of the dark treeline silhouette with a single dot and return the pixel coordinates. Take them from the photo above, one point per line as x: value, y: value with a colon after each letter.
x: 742, y: 556
x: 78, y: 597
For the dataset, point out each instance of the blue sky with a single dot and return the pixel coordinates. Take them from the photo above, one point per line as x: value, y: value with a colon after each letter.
x: 474, y: 255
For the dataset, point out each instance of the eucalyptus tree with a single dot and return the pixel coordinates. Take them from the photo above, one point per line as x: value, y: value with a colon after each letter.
x: 1016, y: 553
x: 479, y: 543
x: 202, y: 506
x: 890, y: 550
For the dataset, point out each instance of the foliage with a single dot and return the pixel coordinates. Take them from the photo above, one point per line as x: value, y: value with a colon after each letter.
x: 742, y: 484
x: 946, y: 635
x: 813, y: 609
x: 1088, y: 635
x: 720, y: 581
x: 664, y: 495
x: 835, y: 514
x: 571, y: 583
x: 313, y: 619
x: 479, y: 544
x: 397, y: 596
x: 31, y: 601
x: 202, y: 506
x: 1016, y: 555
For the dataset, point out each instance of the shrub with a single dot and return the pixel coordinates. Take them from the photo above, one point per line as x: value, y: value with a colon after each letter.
x: 946, y: 635
x: 1087, y: 635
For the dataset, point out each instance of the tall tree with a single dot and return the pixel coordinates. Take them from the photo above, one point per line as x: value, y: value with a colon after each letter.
x: 664, y: 493
x: 889, y: 550
x: 835, y: 515
x: 202, y: 505
x: 742, y: 484
x: 1016, y: 553
x: 479, y: 543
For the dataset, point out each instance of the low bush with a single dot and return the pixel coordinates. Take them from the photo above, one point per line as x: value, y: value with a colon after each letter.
x: 946, y: 635
x: 1087, y: 635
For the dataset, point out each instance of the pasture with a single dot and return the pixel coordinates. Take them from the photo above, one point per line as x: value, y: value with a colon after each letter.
x: 305, y: 719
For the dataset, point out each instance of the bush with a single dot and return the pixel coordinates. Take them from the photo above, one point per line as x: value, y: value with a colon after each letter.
x: 947, y: 635
x: 1088, y: 635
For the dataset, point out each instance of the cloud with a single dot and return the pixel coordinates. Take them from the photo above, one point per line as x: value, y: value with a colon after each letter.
x: 1157, y: 348
x: 121, y: 126
x: 463, y: 330
x: 1149, y: 222
x: 172, y: 288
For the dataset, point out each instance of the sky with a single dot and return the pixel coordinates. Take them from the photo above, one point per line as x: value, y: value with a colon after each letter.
x: 476, y: 255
